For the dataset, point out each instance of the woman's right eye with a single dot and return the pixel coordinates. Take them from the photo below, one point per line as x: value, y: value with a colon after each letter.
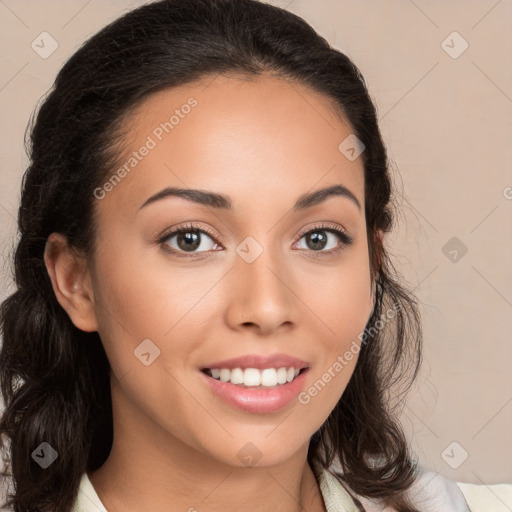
x: 188, y: 239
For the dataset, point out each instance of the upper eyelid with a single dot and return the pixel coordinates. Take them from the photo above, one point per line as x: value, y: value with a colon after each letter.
x: 322, y: 225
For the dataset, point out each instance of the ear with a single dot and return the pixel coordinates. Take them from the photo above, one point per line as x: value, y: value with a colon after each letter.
x: 71, y: 282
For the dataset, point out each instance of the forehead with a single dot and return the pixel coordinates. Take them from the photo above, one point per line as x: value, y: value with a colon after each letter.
x: 264, y: 137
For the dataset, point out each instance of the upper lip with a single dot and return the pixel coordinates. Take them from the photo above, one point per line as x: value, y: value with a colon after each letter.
x: 260, y: 362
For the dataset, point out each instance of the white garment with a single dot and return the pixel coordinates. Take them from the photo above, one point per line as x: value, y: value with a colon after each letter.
x: 430, y: 493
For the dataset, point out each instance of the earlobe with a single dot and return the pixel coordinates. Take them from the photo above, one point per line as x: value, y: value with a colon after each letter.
x: 71, y: 282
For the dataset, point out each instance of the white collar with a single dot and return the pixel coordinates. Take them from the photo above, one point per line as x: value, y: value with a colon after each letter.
x: 432, y: 492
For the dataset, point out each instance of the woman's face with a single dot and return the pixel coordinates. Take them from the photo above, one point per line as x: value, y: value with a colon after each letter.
x: 244, y: 281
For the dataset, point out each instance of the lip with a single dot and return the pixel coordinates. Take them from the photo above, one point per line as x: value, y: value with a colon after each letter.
x: 259, y: 362
x: 255, y: 400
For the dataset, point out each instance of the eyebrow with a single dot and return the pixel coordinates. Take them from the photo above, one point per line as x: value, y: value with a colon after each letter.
x: 216, y: 200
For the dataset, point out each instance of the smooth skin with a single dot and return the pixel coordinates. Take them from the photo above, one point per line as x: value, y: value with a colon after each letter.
x: 263, y: 142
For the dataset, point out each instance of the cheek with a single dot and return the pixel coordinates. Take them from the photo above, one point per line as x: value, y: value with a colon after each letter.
x: 140, y: 295
x: 341, y: 298
x: 131, y: 292
x: 344, y: 303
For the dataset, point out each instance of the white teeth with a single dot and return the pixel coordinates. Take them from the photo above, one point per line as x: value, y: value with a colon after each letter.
x: 269, y: 377
x: 237, y: 376
x: 252, y: 377
x: 281, y: 375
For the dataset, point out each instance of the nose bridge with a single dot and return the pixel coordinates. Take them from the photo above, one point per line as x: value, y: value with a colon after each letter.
x: 259, y: 266
x: 262, y: 295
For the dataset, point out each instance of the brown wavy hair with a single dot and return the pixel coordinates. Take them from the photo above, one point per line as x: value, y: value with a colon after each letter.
x: 54, y: 377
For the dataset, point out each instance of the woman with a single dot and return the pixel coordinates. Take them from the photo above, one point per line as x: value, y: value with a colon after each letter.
x: 206, y: 316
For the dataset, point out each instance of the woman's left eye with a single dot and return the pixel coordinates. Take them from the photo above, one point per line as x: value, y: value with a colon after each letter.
x: 318, y: 239
x: 192, y: 239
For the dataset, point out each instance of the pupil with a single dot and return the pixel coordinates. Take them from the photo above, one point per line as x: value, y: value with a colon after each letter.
x: 319, y: 240
x: 190, y: 239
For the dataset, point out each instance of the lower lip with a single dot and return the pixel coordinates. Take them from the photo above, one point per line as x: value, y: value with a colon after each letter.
x: 257, y: 400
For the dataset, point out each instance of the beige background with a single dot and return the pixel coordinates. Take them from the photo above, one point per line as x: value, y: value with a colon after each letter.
x: 448, y: 127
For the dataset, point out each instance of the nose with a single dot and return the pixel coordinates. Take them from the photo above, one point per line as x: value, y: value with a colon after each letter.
x: 262, y: 295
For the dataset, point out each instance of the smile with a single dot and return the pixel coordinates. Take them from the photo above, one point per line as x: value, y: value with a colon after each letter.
x: 256, y: 398
x: 254, y: 377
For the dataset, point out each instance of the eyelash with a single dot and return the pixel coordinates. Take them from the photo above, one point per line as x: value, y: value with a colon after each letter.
x: 345, y: 239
